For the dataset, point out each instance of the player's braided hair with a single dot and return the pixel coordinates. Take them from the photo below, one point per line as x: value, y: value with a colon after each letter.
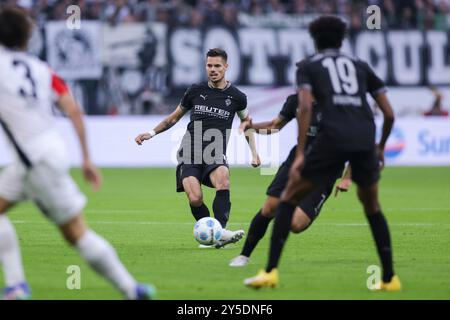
x: 15, y: 27
x: 328, y: 32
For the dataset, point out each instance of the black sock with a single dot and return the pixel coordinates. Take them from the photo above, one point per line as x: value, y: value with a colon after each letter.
x: 380, y: 232
x: 222, y: 206
x: 200, y: 212
x: 256, y: 231
x: 280, y: 233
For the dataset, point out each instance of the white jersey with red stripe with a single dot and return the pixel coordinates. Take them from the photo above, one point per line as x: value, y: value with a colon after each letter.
x: 28, y: 89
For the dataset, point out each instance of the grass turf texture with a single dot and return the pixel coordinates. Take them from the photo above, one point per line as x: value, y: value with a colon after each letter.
x: 150, y: 225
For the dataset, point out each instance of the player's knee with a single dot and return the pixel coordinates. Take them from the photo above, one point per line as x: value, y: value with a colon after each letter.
x: 300, y: 222
x: 195, y: 200
x: 369, y: 199
x: 296, y: 229
x: 299, y: 227
x: 268, y: 213
x: 372, y: 208
x: 270, y: 207
x: 223, y: 184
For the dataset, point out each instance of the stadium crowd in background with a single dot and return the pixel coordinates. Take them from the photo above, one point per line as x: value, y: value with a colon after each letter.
x: 157, y: 97
x: 398, y: 14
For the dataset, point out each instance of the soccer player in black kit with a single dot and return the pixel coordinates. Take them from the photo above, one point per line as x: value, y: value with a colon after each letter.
x: 308, y: 210
x: 202, y: 154
x: 339, y: 85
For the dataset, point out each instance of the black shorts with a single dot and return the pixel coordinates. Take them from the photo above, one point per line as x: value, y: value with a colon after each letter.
x: 313, y: 202
x: 200, y: 171
x: 324, y: 162
x: 281, y: 178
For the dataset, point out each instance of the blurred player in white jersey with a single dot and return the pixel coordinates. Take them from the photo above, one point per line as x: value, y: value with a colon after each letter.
x: 40, y: 169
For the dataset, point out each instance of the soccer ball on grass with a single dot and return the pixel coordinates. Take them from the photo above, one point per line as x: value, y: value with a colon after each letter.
x: 207, y: 231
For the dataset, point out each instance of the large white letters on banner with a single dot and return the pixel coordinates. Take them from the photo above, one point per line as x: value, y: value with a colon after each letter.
x: 396, y: 56
x: 372, y: 42
x: 185, y: 47
x: 297, y: 45
x: 439, y: 71
x: 402, y: 42
x: 259, y: 44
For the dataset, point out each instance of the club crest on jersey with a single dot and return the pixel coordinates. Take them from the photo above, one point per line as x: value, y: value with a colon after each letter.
x: 203, y: 96
x: 227, y: 102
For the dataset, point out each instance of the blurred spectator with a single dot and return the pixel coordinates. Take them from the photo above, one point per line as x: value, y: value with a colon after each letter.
x: 197, y: 18
x: 180, y: 13
x: 442, y: 17
x: 355, y: 22
x: 407, y: 18
x: 426, y: 17
x: 299, y: 7
x: 213, y: 13
x: 389, y: 13
x: 274, y: 7
x: 148, y: 9
x: 119, y: 11
x: 230, y: 12
x: 436, y: 109
x: 163, y: 15
x: 256, y: 8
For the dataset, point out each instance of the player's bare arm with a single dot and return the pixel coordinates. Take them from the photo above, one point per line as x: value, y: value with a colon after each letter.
x: 265, y: 127
x: 68, y: 105
x: 250, y: 137
x: 304, y: 114
x: 388, y: 115
x: 164, y: 125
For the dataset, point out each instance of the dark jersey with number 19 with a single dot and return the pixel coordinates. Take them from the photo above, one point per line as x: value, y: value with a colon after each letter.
x: 339, y: 84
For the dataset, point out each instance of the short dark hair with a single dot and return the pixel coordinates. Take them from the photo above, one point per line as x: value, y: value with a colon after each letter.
x: 217, y: 52
x: 15, y: 27
x: 328, y: 32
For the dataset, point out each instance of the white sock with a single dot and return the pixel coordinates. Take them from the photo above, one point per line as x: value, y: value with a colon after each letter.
x: 10, y: 256
x: 103, y: 258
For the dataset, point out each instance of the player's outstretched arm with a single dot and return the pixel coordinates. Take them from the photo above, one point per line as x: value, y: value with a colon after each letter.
x: 388, y: 115
x: 266, y: 127
x: 164, y: 125
x: 68, y: 105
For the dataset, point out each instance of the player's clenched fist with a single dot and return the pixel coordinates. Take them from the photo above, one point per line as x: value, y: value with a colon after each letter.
x: 142, y: 137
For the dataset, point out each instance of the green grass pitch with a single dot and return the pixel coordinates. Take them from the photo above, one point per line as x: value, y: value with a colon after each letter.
x: 150, y: 225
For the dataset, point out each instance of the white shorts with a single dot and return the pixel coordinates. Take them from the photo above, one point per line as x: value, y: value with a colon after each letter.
x: 48, y: 183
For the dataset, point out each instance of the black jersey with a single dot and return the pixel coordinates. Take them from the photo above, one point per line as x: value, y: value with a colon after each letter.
x: 339, y: 84
x: 212, y: 114
x: 289, y: 112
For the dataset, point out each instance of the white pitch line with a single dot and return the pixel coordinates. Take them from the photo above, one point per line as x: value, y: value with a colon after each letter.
x: 389, y: 210
x: 415, y: 209
x: 116, y: 211
x: 237, y: 223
